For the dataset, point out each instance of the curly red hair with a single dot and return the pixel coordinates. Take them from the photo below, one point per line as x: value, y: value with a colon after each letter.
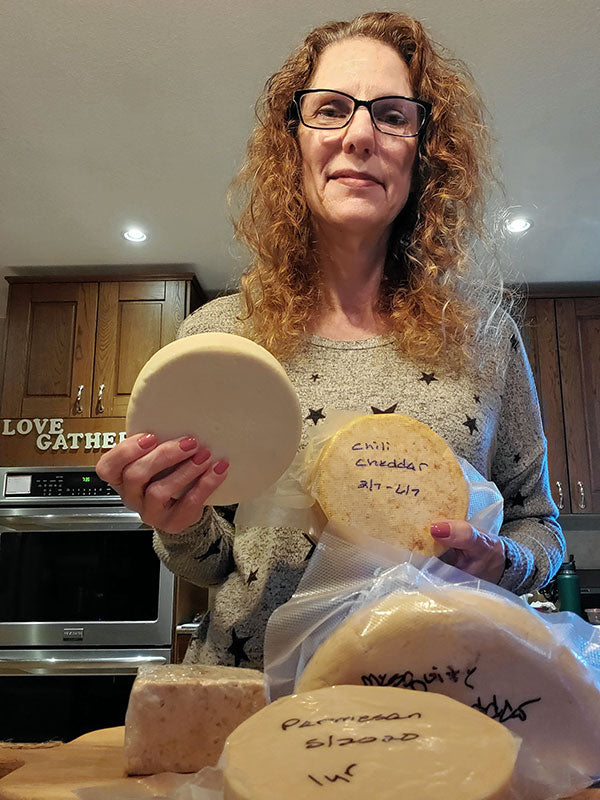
x: 423, y: 295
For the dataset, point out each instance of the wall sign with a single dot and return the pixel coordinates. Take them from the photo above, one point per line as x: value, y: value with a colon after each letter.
x: 49, y: 434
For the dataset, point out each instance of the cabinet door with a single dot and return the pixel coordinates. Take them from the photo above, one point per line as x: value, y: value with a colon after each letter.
x: 135, y: 319
x: 50, y: 347
x: 540, y: 340
x: 579, y: 347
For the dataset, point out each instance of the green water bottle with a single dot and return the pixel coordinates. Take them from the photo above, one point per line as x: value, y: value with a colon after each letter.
x: 568, y: 587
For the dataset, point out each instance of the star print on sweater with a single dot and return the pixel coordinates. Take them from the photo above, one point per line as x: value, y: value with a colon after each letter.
x: 428, y: 377
x: 476, y: 398
x: 518, y: 500
x: 236, y: 648
x: 471, y: 424
x: 315, y: 415
x: 312, y: 546
x: 252, y: 577
x: 212, y: 550
x: 314, y: 377
x: 389, y: 410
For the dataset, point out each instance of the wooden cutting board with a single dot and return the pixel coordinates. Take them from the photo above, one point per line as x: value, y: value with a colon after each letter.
x: 54, y: 774
x: 91, y: 760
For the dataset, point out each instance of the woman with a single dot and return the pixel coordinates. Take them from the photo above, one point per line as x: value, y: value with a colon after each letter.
x: 361, y: 214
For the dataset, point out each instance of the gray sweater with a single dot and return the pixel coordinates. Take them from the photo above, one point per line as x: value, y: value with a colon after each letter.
x: 488, y: 415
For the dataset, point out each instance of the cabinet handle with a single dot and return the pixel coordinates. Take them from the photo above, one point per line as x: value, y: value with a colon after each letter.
x: 78, y: 409
x: 99, y: 406
x: 581, y: 501
x: 561, y: 499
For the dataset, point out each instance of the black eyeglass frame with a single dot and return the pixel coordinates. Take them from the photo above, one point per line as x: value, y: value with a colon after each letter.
x: 368, y: 104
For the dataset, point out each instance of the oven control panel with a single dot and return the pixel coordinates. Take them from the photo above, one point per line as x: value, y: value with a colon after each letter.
x: 54, y: 483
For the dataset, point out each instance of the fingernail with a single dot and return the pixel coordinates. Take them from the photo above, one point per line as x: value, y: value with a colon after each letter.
x: 441, y: 530
x: 147, y: 440
x: 201, y: 456
x: 221, y: 466
x: 189, y: 443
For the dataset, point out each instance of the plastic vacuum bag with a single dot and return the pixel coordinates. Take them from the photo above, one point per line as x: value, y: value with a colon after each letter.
x: 291, y: 502
x: 379, y: 618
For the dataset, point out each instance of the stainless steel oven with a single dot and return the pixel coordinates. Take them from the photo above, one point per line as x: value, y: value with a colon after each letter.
x: 84, y: 601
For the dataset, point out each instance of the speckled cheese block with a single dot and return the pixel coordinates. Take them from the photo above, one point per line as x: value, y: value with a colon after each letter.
x: 356, y: 742
x: 179, y: 715
x: 389, y: 476
x: 481, y: 649
x: 233, y: 396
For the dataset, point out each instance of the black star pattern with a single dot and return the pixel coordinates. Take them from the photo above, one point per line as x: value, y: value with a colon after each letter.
x: 312, y: 546
x: 471, y: 424
x: 252, y: 577
x: 212, y: 550
x: 389, y: 410
x: 236, y: 647
x: 518, y: 499
x: 314, y: 377
x: 517, y: 458
x: 514, y: 342
x: 315, y: 415
x: 428, y: 377
x: 476, y: 398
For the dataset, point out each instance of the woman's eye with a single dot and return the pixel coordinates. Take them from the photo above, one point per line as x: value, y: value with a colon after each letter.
x: 393, y: 118
x: 330, y: 111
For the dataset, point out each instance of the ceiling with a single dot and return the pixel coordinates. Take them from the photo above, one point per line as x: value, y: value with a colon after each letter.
x: 137, y: 112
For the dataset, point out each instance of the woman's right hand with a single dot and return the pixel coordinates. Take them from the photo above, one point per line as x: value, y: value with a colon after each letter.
x: 133, y: 468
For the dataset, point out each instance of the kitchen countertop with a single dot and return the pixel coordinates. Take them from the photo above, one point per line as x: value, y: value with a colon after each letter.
x: 52, y: 770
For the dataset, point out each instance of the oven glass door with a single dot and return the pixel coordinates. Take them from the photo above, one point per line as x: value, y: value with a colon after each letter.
x: 81, y: 577
x: 78, y: 576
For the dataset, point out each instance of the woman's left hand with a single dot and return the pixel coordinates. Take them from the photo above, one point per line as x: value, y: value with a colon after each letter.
x: 479, y: 554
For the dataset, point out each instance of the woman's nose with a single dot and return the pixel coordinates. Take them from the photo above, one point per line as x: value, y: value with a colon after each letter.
x: 360, y: 131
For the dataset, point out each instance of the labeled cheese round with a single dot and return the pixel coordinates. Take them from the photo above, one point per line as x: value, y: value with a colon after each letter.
x: 355, y: 742
x: 390, y: 476
x: 233, y: 396
x: 494, y: 655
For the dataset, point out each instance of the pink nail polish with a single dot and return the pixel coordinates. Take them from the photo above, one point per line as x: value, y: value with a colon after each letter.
x: 221, y: 466
x: 441, y: 530
x: 201, y: 456
x: 147, y: 441
x: 189, y: 443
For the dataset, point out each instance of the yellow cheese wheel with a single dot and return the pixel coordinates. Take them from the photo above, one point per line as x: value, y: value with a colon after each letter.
x: 478, y: 648
x: 356, y: 743
x: 390, y: 476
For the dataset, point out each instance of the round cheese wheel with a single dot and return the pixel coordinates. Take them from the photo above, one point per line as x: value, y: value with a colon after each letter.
x: 355, y: 742
x: 390, y: 476
x: 478, y: 648
x: 233, y: 396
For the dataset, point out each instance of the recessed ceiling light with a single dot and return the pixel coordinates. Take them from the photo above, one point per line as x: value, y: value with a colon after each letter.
x: 135, y: 235
x: 518, y: 225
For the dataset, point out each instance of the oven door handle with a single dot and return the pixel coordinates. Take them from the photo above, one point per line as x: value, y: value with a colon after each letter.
x: 69, y: 666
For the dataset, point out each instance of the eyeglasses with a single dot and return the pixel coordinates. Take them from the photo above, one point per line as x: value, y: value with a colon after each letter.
x: 327, y: 109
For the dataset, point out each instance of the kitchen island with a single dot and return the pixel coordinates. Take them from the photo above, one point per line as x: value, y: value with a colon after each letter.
x: 52, y: 771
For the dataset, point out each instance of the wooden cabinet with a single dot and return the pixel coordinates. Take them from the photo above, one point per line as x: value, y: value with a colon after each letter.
x: 74, y: 348
x: 562, y: 337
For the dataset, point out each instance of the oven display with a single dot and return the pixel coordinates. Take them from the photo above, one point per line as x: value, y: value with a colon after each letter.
x: 56, y: 484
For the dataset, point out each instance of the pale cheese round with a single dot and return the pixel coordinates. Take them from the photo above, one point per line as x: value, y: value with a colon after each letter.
x: 482, y: 650
x: 355, y: 743
x: 233, y: 396
x: 389, y: 476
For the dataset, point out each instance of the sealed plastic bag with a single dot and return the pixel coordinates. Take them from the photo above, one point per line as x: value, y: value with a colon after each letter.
x: 361, y: 616
x: 292, y: 501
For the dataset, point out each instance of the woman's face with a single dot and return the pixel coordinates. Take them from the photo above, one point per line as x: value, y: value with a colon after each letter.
x: 363, y: 68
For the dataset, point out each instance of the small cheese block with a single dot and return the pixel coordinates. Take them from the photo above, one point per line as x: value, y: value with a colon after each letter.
x: 179, y: 715
x: 389, y: 476
x: 356, y: 742
x: 481, y: 649
x: 233, y: 396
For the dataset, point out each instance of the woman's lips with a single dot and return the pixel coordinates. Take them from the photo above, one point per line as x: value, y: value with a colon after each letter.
x: 347, y: 180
